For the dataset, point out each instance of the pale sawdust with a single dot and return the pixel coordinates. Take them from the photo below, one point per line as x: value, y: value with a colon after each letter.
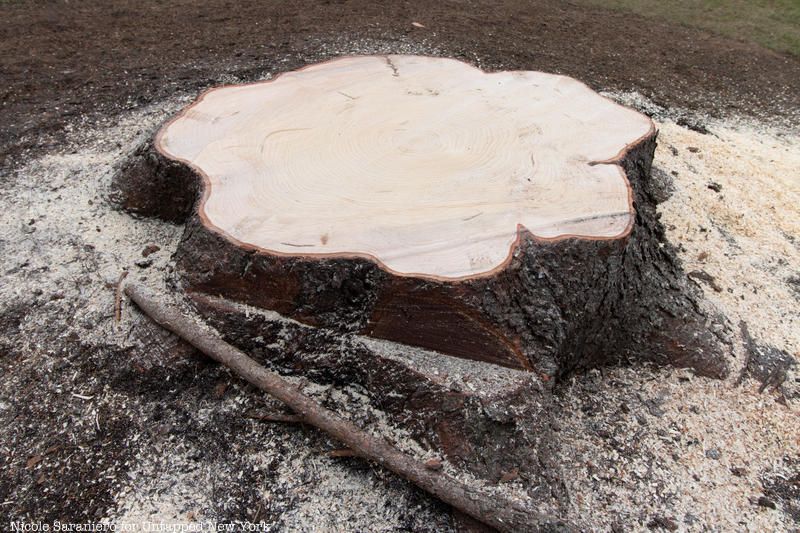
x: 345, y: 488
x: 625, y: 467
x: 647, y: 449
x: 641, y: 446
x: 747, y: 235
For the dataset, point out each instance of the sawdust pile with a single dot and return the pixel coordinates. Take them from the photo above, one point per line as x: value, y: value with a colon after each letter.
x: 87, y: 431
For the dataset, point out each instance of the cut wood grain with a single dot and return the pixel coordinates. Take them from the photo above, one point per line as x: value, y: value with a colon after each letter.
x: 427, y: 166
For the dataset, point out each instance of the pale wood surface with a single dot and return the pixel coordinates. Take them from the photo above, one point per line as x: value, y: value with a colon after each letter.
x: 427, y: 165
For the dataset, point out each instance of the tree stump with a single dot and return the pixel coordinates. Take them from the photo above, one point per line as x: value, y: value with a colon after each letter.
x: 504, y: 217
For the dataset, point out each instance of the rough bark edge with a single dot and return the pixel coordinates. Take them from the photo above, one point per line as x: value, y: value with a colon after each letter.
x: 681, y: 332
x: 651, y: 300
x: 489, y: 428
x: 149, y: 184
x: 503, y: 513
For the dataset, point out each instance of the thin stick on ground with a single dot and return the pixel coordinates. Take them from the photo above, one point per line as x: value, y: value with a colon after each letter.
x: 118, y: 297
x: 502, y: 512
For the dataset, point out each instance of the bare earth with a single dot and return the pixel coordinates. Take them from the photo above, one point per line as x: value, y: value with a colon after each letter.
x: 123, y: 423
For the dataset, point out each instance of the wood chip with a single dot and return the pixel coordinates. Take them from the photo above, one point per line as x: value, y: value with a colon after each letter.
x: 219, y: 390
x: 341, y: 452
x: 511, y: 475
x: 81, y: 396
x: 433, y: 463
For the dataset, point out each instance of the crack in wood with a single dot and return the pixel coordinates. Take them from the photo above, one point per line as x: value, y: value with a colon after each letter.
x: 395, y: 71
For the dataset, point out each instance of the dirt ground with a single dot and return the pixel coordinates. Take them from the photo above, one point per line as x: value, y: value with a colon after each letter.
x: 83, y: 62
x: 123, y: 423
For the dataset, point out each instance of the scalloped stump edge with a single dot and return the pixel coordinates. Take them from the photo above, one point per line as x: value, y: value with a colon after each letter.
x: 554, y: 307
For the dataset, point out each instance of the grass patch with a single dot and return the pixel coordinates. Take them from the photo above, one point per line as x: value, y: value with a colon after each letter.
x: 774, y: 24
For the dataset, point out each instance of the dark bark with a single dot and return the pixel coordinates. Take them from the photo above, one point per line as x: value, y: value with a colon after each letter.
x: 149, y: 184
x: 485, y: 420
x: 497, y: 510
x: 557, y: 307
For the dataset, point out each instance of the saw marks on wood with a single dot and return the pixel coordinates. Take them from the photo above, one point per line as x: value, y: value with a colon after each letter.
x: 427, y: 165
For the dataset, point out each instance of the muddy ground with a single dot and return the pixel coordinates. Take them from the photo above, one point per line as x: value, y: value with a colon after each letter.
x: 121, y: 422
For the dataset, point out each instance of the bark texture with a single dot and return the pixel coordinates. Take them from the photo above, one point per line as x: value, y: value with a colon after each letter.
x: 151, y: 185
x: 497, y: 510
x: 485, y: 420
x: 558, y: 306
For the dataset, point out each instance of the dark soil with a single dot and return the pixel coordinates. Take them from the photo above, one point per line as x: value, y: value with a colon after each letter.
x: 785, y: 488
x: 71, y: 446
x: 67, y: 66
x: 86, y: 61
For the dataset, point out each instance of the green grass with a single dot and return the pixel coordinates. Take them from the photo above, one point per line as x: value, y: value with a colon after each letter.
x: 773, y: 24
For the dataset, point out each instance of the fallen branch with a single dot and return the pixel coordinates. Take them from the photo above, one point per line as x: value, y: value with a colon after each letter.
x: 502, y: 512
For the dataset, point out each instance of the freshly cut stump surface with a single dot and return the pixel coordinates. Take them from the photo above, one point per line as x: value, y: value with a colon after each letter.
x: 507, y: 217
x: 427, y: 166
